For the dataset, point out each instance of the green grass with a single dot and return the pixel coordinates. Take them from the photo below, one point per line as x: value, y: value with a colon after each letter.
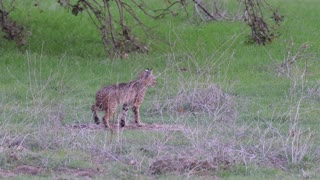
x: 50, y: 84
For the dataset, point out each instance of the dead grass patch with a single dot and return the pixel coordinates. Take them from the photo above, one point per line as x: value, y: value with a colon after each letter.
x: 198, y: 99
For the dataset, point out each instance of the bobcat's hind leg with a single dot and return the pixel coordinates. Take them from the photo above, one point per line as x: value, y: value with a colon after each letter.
x: 124, y: 115
x: 136, y: 112
x: 94, y: 110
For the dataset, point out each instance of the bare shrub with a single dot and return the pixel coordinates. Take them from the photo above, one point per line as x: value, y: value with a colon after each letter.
x: 208, y: 99
x: 298, y: 142
x: 286, y: 143
x: 293, y: 57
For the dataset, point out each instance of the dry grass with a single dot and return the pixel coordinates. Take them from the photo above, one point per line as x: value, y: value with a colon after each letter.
x: 205, y: 136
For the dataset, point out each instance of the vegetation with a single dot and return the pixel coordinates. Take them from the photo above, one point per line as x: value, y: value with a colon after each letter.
x: 221, y: 107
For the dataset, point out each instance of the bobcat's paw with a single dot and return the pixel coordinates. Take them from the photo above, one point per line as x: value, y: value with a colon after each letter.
x: 122, y: 123
x: 140, y: 124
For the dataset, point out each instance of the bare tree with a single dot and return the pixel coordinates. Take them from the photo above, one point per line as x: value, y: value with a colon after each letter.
x: 113, y: 25
x: 116, y: 20
x: 11, y: 30
x: 261, y: 31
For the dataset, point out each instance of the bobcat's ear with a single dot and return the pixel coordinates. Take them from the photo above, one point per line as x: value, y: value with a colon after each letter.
x: 147, y: 72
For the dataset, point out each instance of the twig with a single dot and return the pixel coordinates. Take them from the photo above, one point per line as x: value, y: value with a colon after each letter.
x: 197, y: 2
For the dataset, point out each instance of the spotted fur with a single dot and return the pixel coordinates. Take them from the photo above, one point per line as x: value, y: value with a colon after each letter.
x: 129, y: 95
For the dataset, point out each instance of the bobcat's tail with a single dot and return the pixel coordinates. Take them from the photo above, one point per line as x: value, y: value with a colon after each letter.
x: 94, y: 110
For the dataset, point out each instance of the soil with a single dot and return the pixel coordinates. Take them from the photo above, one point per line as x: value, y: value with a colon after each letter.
x: 131, y: 126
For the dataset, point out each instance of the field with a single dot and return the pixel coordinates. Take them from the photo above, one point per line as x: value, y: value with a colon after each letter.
x: 222, y: 108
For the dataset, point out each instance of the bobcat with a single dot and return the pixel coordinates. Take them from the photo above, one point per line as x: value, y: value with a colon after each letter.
x: 129, y: 94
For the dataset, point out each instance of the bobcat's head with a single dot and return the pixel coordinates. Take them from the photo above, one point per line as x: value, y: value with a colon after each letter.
x: 148, y: 78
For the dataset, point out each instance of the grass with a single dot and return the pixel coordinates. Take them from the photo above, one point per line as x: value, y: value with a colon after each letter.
x: 48, y: 86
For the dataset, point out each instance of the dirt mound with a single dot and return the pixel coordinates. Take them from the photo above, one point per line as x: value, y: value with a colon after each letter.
x: 32, y: 170
x: 180, y: 165
x: 80, y: 172
x: 131, y: 126
x: 186, y: 164
x: 29, y: 170
x: 6, y: 174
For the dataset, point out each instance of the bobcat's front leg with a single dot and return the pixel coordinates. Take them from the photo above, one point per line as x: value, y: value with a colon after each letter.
x: 109, y: 112
x: 135, y: 110
x: 106, y: 118
x: 94, y: 110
